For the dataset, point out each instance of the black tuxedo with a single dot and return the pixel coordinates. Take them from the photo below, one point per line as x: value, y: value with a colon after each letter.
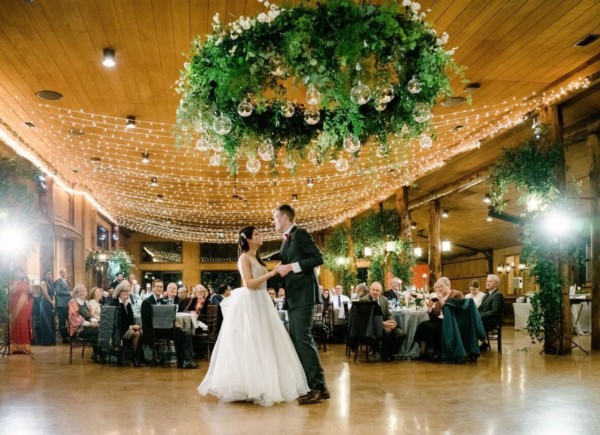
x: 391, y: 339
x: 301, y: 294
x: 491, y: 308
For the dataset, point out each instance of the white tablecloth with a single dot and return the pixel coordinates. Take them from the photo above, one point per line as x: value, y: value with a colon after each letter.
x: 408, y: 320
x: 582, y: 317
x: 187, y: 321
x: 521, y: 310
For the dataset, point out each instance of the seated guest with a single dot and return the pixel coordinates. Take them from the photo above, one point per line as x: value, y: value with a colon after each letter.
x: 130, y: 331
x: 474, y: 293
x: 107, y: 296
x: 117, y: 281
x: 198, y: 302
x: 395, y: 292
x: 223, y: 292
x: 429, y: 333
x: 392, y: 334
x: 183, y: 341
x: 362, y: 290
x: 171, y: 298
x: 81, y: 323
x: 491, y: 307
x: 94, y: 298
x: 184, y: 298
x: 325, y: 296
x: 271, y: 292
x: 182, y: 292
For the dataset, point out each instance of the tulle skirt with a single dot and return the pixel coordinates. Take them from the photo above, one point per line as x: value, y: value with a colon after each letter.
x: 254, y: 358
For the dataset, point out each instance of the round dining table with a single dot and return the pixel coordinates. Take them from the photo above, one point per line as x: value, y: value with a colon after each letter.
x: 408, y: 320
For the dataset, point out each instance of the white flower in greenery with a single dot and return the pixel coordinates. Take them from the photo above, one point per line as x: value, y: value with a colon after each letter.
x: 262, y: 17
x: 267, y: 3
x: 233, y: 36
x: 273, y: 14
x: 216, y: 19
x: 406, y: 3
x: 233, y: 49
x: 415, y: 7
x: 219, y: 40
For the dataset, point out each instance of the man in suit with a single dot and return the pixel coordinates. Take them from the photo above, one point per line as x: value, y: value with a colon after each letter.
x: 392, y: 334
x: 300, y: 256
x: 63, y: 296
x: 491, y: 307
x: 172, y: 298
x: 117, y: 281
x: 183, y: 341
x: 396, y: 289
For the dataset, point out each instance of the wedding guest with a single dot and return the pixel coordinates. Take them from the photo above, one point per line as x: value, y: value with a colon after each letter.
x: 392, y: 334
x: 117, y: 281
x: 491, y: 307
x: 134, y: 293
x: 395, y: 292
x: 199, y: 300
x: 184, y: 300
x: 81, y: 323
x: 223, y: 292
x: 46, y: 334
x: 94, y: 298
x: 20, y: 304
x: 338, y: 300
x: 362, y: 290
x: 271, y: 292
x: 429, y: 333
x: 474, y: 293
x: 326, y: 298
x: 129, y: 330
x: 171, y: 298
x: 63, y: 296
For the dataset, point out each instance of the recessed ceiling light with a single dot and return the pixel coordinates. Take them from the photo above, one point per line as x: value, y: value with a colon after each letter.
x: 76, y: 132
x: 472, y: 87
x: 96, y: 159
x: 587, y: 40
x: 153, y: 182
x: 452, y: 101
x: 49, y: 95
x: 29, y: 124
x: 457, y: 127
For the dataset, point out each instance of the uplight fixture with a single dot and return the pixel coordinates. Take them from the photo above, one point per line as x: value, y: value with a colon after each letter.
x: 309, y: 182
x: 445, y: 214
x: 446, y: 246
x: 108, y: 57
x: 500, y: 268
x: 487, y: 198
x: 294, y: 197
x: 418, y: 251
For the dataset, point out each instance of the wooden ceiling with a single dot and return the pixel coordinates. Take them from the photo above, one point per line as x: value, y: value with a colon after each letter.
x: 521, y: 52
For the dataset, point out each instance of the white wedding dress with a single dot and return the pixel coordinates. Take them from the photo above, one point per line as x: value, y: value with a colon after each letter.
x: 254, y: 358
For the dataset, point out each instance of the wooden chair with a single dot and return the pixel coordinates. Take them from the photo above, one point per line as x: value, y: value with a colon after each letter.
x: 205, y: 340
x: 365, y: 328
x: 77, y: 342
x: 496, y: 333
x: 163, y: 327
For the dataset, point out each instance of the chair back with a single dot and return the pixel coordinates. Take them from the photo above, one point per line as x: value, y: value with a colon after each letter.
x: 212, y: 322
x: 163, y: 316
x: 109, y: 334
x: 366, y: 323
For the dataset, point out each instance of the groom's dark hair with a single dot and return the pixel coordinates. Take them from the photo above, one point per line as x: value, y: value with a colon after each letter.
x: 288, y: 210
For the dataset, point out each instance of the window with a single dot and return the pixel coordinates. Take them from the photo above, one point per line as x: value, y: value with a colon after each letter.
x: 166, y: 276
x: 162, y: 252
x: 216, y: 278
x: 225, y: 253
x: 101, y: 237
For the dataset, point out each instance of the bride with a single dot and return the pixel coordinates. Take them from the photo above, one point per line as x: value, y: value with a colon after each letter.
x: 254, y: 359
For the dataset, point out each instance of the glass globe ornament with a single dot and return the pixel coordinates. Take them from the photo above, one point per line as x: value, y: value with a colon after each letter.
x: 379, y: 106
x: 386, y: 94
x: 215, y: 160
x: 222, y: 125
x: 266, y: 151
x: 216, y: 145
x: 253, y: 165
x: 311, y: 117
x: 288, y: 110
x: 313, y: 96
x: 425, y: 141
x: 422, y: 112
x: 381, y: 151
x: 289, y: 162
x: 202, y: 144
x: 245, y: 108
x: 313, y: 157
x: 414, y: 85
x: 360, y: 94
x: 200, y: 126
x: 351, y: 144
x: 342, y: 164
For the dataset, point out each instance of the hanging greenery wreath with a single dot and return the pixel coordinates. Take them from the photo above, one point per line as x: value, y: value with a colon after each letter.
x: 312, y: 78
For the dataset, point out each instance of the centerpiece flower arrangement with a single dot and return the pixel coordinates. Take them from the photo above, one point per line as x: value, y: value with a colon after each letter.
x: 414, y: 298
x: 314, y: 79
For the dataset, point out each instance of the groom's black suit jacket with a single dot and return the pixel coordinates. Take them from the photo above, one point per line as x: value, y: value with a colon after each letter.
x: 301, y: 288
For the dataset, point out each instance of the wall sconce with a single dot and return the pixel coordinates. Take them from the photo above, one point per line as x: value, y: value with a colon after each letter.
x: 522, y: 266
x: 368, y: 251
x: 508, y: 267
x: 130, y: 124
x: 487, y: 198
x: 389, y: 246
x: 145, y: 157
x: 445, y: 214
x: 446, y: 246
x: 103, y: 257
x: 500, y: 268
x: 153, y: 182
x: 108, y: 57
x: 413, y: 225
x: 418, y: 251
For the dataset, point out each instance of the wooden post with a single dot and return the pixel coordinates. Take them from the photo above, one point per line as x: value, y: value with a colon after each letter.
x: 593, y: 143
x: 435, y: 253
x: 550, y: 116
x: 402, y: 209
x: 350, y: 252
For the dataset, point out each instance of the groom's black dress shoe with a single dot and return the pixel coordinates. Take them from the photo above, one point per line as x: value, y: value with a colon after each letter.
x: 315, y: 396
x: 188, y: 365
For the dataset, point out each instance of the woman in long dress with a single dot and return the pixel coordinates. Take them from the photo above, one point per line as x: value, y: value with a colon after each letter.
x: 47, y: 327
x: 20, y: 304
x: 254, y: 358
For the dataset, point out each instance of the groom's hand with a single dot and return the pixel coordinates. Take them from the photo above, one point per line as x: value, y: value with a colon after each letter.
x: 284, y: 269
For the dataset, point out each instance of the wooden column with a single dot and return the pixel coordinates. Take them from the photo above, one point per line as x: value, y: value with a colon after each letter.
x: 350, y: 252
x: 593, y: 143
x: 402, y: 209
x: 435, y: 245
x: 550, y: 116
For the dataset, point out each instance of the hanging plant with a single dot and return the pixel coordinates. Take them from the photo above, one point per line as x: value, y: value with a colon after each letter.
x: 120, y: 261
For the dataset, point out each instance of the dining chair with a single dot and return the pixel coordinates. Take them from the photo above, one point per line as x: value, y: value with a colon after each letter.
x: 163, y: 328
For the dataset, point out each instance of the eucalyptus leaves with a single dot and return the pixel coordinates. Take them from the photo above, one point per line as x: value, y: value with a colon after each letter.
x: 314, y: 79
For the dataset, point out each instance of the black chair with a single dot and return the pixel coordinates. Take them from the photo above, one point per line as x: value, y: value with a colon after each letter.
x: 365, y: 327
x: 163, y: 328
x: 496, y: 334
x: 77, y: 342
x: 109, y: 334
x: 321, y: 330
x: 205, y: 340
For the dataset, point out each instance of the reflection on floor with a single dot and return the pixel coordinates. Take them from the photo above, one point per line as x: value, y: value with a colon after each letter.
x: 521, y: 392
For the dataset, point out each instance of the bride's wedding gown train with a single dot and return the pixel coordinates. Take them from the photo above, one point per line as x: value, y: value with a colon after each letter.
x: 254, y: 358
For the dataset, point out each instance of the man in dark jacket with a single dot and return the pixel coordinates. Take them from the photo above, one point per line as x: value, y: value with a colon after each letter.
x: 491, y: 307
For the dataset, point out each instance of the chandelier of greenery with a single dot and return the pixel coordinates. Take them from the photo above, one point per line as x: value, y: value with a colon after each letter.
x: 374, y: 231
x: 530, y: 167
x: 313, y: 79
x: 119, y: 261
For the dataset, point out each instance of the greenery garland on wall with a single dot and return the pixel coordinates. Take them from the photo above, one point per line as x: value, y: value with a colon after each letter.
x: 120, y: 261
x: 531, y: 169
x: 372, y: 231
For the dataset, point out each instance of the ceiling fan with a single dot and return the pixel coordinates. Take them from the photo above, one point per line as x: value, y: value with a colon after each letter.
x: 235, y: 194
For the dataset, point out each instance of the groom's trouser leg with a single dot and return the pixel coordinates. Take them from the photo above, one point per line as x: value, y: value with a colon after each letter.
x: 300, y: 327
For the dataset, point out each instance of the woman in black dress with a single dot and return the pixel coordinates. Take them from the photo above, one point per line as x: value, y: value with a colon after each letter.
x: 46, y: 333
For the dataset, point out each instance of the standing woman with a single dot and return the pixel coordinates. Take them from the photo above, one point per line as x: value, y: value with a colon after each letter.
x: 47, y: 329
x: 20, y: 304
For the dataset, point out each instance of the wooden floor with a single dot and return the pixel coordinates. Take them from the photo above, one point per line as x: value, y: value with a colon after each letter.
x: 521, y: 392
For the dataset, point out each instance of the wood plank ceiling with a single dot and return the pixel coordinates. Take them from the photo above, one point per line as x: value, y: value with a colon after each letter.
x: 516, y: 50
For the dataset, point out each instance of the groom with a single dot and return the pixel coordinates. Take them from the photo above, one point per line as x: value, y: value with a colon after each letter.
x: 299, y: 258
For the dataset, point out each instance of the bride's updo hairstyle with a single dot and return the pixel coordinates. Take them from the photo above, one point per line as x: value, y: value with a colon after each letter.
x: 243, y: 236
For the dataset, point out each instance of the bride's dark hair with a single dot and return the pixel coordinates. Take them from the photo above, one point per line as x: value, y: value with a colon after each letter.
x: 243, y: 236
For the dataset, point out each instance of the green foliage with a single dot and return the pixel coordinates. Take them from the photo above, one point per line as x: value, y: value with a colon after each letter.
x: 320, y: 44
x: 120, y: 261
x: 17, y: 195
x: 531, y: 169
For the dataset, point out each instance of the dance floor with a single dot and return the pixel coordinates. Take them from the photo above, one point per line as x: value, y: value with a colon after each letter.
x: 520, y: 392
